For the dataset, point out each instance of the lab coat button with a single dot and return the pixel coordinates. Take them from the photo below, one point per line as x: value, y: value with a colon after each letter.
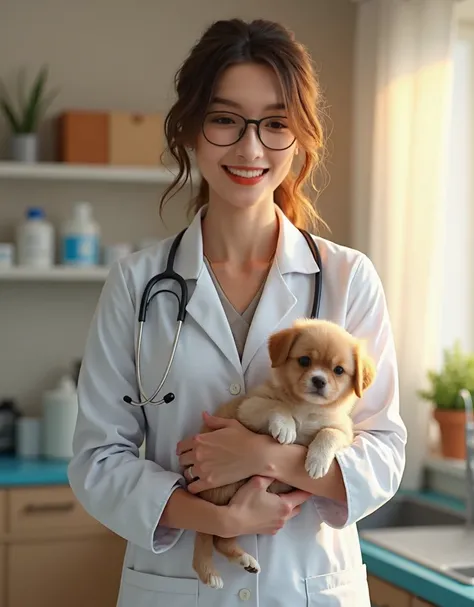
x: 244, y: 594
x: 234, y: 389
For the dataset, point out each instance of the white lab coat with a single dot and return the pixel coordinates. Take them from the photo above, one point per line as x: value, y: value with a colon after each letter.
x: 315, y: 559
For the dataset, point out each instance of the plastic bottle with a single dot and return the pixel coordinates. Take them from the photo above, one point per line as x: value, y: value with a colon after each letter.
x: 9, y: 414
x: 81, y: 238
x: 59, y: 408
x: 35, y: 238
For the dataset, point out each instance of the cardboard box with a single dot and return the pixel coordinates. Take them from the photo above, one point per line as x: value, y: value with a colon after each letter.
x: 83, y: 137
x: 135, y: 139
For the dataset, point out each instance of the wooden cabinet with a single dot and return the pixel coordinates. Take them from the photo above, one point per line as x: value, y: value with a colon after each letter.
x: 52, y: 553
x: 72, y: 572
x: 416, y: 602
x: 3, y: 576
x: 383, y: 594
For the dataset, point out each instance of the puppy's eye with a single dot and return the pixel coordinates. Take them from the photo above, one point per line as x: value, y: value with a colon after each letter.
x: 338, y: 370
x: 304, y: 361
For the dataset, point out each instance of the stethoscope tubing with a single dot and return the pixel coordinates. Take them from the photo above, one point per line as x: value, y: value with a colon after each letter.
x: 170, y: 274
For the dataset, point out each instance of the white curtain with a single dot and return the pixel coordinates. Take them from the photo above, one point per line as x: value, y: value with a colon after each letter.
x: 402, y: 87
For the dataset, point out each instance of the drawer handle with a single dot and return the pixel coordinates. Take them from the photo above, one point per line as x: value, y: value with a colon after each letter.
x: 40, y: 508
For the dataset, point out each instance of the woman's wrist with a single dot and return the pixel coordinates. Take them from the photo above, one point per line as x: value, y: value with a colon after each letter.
x: 187, y: 511
x: 267, y: 464
x: 229, y: 521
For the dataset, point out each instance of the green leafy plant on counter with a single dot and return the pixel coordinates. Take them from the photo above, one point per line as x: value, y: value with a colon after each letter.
x: 457, y: 372
x: 31, y: 108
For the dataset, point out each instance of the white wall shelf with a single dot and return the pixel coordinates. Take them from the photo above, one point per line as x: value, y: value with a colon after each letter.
x: 54, y: 274
x: 57, y: 171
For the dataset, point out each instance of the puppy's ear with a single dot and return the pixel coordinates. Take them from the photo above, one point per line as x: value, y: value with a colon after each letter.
x: 279, y: 345
x: 364, y: 370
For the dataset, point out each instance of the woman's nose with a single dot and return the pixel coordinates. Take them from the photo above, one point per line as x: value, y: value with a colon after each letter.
x: 250, y: 147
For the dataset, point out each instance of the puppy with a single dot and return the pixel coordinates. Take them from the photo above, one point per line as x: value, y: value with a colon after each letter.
x: 318, y: 372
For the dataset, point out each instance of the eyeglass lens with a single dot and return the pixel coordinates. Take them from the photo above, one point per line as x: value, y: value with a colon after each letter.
x: 226, y: 128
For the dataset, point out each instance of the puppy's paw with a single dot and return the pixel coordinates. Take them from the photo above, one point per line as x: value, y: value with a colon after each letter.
x: 283, y: 429
x: 318, y: 462
x: 249, y: 563
x: 214, y: 581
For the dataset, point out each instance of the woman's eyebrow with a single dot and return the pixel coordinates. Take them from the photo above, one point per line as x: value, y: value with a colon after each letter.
x: 234, y: 104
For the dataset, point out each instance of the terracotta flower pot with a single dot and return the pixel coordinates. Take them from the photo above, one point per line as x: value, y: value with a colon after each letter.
x: 452, y: 426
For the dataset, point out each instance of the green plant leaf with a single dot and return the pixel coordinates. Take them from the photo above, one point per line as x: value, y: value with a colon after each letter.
x: 31, y: 114
x: 10, y: 115
x: 456, y: 373
x: 21, y: 89
x: 32, y: 107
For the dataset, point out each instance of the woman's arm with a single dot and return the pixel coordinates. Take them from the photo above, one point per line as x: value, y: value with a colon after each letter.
x: 365, y: 475
x: 186, y: 511
x: 286, y: 463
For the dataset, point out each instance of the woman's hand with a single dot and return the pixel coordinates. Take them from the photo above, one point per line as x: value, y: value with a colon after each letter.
x: 254, y: 510
x: 228, y: 454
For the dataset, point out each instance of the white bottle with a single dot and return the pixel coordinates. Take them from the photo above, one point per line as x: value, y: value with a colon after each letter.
x: 59, y: 419
x: 81, y: 238
x: 35, y: 238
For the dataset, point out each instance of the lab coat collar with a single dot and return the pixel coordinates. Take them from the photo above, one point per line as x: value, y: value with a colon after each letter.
x: 292, y: 255
x: 277, y: 300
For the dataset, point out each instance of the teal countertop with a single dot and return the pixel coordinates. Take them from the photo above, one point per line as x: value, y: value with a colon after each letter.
x: 416, y: 579
x: 433, y: 587
x: 15, y: 472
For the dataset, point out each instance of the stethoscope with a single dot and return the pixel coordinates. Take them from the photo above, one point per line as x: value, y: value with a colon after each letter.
x: 170, y: 274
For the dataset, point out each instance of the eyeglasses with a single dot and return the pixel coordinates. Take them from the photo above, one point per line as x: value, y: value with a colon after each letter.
x: 227, y: 128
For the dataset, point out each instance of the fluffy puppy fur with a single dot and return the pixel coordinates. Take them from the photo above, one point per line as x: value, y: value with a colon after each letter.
x: 318, y: 372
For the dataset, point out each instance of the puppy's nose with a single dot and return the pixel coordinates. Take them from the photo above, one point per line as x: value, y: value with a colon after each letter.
x: 319, y: 382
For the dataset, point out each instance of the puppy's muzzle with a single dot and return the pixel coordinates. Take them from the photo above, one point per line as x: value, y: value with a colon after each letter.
x: 319, y: 384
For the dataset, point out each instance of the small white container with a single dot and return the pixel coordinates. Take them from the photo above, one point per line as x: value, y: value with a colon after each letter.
x: 35, y: 239
x: 6, y: 254
x: 59, y: 419
x: 28, y: 437
x: 81, y: 238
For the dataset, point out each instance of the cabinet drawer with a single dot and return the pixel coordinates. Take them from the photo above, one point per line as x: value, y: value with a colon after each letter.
x: 383, y: 594
x: 3, y: 511
x: 40, y: 508
x: 416, y: 602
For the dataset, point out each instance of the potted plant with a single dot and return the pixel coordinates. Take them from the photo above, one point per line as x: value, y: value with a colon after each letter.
x: 25, y: 121
x: 456, y: 373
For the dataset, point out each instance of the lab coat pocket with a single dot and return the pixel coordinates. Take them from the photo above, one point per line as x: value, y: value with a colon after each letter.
x: 150, y: 590
x: 346, y: 588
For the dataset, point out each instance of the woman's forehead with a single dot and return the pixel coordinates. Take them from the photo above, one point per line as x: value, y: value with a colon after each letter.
x: 248, y: 88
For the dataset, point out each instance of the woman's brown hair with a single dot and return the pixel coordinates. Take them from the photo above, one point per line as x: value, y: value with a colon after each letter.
x: 229, y: 42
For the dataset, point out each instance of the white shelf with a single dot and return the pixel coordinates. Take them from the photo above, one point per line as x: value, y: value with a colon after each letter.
x: 57, y: 171
x: 55, y: 274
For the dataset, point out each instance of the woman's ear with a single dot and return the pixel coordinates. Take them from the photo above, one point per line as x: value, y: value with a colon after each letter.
x: 365, y: 372
x: 279, y: 345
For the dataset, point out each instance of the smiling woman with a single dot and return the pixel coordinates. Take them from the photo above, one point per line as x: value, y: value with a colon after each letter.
x: 278, y: 109
x: 247, y: 103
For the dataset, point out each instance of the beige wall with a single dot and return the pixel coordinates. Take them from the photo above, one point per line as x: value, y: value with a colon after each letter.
x: 123, y: 54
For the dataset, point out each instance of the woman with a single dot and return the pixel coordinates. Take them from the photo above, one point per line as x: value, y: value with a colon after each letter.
x: 247, y: 105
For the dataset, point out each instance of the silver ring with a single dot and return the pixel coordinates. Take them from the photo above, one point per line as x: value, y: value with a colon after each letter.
x: 190, y: 473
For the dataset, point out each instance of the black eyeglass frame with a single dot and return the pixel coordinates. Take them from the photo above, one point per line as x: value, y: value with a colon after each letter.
x: 247, y: 121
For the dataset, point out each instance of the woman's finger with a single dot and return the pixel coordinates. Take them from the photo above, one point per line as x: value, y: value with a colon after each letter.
x: 295, y: 497
x: 198, y: 486
x: 185, y: 445
x: 296, y: 510
x: 186, y: 459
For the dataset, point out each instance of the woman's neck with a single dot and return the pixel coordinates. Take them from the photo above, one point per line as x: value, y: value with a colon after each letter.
x: 240, y: 236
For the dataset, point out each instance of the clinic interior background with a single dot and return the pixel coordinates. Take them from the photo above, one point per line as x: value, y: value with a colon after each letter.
x: 115, y: 54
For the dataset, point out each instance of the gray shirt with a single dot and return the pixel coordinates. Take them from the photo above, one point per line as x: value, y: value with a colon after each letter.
x: 239, y: 323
